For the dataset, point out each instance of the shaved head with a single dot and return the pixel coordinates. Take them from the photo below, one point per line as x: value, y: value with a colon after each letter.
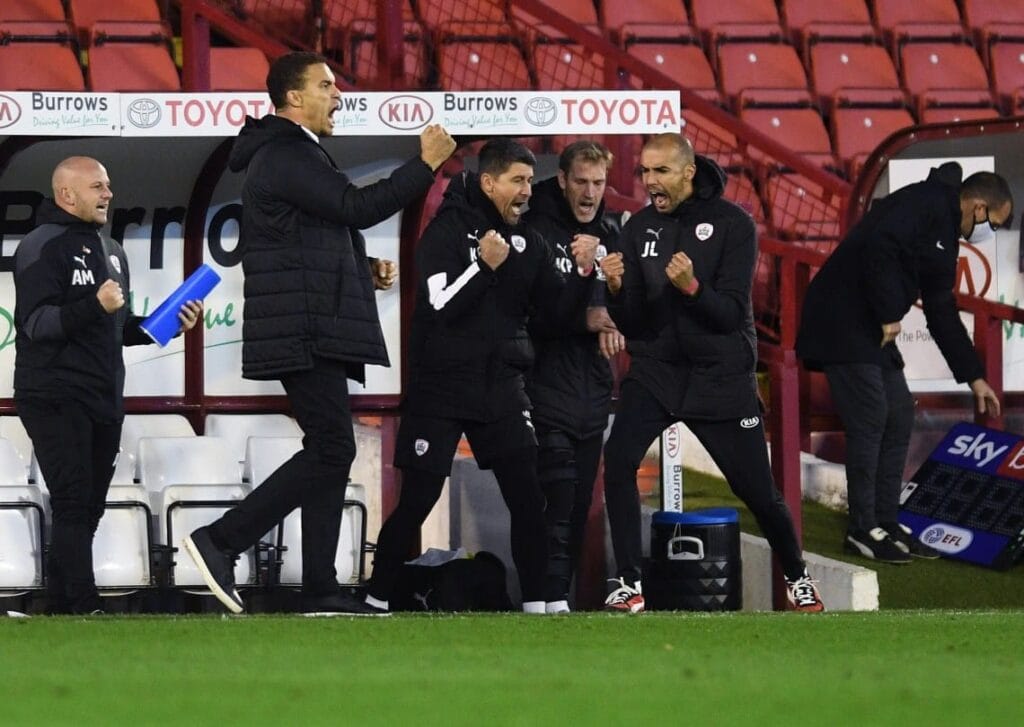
x: 672, y: 142
x: 81, y: 187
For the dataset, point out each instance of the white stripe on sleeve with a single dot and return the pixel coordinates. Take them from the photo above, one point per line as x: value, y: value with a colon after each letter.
x: 440, y: 295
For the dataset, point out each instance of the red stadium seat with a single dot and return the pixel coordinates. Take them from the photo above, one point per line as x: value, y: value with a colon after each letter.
x: 748, y: 67
x: 480, y: 56
x: 736, y: 19
x: 31, y: 10
x: 798, y: 14
x: 562, y: 65
x: 990, y: 20
x: 739, y: 188
x: 238, y: 69
x: 856, y: 132
x: 931, y: 69
x: 684, y: 63
x: 711, y: 140
x: 282, y: 18
x: 947, y: 114
x: 800, y: 130
x: 1007, y: 66
x: 859, y: 70
x: 339, y: 14
x: 85, y: 13
x: 890, y: 13
x: 358, y: 44
x: 435, y: 12
x: 648, y: 19
x: 40, y: 67
x: 800, y: 209
x: 129, y: 56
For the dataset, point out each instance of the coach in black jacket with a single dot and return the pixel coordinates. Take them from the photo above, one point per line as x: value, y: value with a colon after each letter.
x: 680, y: 291
x: 310, y: 316
x: 905, y: 247
x: 71, y: 286
x: 480, y: 276
x: 570, y: 385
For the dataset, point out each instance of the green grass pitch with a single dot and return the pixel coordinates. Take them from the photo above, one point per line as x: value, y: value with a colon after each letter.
x: 892, y: 667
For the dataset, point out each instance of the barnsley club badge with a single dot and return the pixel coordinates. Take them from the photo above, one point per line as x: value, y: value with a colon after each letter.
x: 115, y: 262
x: 704, y: 231
x: 519, y: 242
x: 421, y: 447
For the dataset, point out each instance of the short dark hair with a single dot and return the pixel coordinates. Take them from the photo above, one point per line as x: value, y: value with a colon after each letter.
x: 988, y: 186
x: 499, y: 154
x: 587, y: 151
x: 288, y: 73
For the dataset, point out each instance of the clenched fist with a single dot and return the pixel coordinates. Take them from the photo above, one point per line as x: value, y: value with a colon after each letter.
x: 436, y: 145
x: 584, y: 251
x: 613, y: 269
x: 110, y: 295
x: 493, y: 249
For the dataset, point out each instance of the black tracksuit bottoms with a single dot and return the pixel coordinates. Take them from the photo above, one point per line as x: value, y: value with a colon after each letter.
x: 76, y: 454
x: 738, y: 450
x: 313, y: 479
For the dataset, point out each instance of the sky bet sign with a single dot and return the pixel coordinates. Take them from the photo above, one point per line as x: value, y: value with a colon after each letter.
x: 967, y: 500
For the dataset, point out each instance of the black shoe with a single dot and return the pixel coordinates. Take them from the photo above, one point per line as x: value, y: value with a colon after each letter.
x: 339, y: 604
x: 876, y: 545
x: 216, y: 566
x: 905, y: 541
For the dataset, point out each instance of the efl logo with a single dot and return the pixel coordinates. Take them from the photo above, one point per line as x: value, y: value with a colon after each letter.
x: 947, y: 538
x: 10, y: 111
x: 406, y: 112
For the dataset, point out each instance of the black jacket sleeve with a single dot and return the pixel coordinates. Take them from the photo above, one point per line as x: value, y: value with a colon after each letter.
x: 722, y: 302
x: 454, y: 283
x: 40, y: 288
x: 559, y: 304
x: 300, y: 174
x: 944, y: 323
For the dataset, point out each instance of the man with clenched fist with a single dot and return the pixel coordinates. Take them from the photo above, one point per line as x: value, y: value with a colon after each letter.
x: 71, y: 285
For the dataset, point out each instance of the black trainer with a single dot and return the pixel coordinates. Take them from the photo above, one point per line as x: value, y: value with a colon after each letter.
x: 216, y: 566
x: 876, y: 545
x: 340, y: 604
x: 905, y: 541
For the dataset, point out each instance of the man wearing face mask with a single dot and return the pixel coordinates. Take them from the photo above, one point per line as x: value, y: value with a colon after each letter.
x: 906, y: 247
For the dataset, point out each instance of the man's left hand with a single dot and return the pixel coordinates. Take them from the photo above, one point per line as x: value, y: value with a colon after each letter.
x: 190, y: 313
x: 384, y: 274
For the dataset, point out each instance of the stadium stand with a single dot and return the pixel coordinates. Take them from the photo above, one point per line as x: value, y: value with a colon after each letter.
x: 684, y: 63
x: 943, y: 74
x: 238, y: 69
x: 435, y: 12
x: 651, y: 19
x: 853, y: 74
x: 22, y: 527
x: 12, y: 430
x: 800, y: 129
x: 480, y: 56
x: 1007, y: 69
x: 806, y: 19
x: 350, y: 36
x: 856, y: 132
x: 908, y: 19
x: 237, y: 429
x: 750, y: 68
x: 737, y: 20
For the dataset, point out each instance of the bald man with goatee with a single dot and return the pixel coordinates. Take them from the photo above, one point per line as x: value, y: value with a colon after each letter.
x: 71, y: 317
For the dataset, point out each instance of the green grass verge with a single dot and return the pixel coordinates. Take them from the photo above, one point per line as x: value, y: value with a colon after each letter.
x: 943, y: 583
x: 897, y: 667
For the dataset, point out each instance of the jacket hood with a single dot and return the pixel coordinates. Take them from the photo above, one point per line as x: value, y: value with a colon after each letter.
x: 258, y: 132
x: 950, y: 174
x: 464, y: 194
x: 49, y: 213
x: 549, y: 199
x: 709, y: 181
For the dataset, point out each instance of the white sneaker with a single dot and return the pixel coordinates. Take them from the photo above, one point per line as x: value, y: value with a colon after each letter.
x: 624, y: 599
x: 556, y: 607
x: 533, y: 607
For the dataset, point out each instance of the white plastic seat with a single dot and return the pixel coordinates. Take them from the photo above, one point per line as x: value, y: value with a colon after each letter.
x: 21, y: 537
x: 236, y: 429
x: 191, y: 482
x: 13, y: 430
x: 12, y: 467
x: 137, y: 426
x: 264, y: 454
x: 121, y: 550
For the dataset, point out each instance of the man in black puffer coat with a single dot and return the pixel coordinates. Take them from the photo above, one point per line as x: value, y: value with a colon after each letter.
x: 480, y: 276
x: 907, y: 246
x: 570, y: 385
x: 679, y: 287
x: 310, y: 316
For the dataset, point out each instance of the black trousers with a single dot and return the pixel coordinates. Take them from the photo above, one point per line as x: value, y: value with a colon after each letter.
x: 566, y: 468
x: 877, y: 411
x: 77, y: 455
x: 313, y: 479
x: 739, y: 452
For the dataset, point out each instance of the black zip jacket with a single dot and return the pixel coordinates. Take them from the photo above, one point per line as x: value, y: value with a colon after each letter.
x: 571, y: 382
x: 469, y: 348
x: 905, y: 247
x: 695, y: 354
x: 66, y: 345
x: 308, y: 286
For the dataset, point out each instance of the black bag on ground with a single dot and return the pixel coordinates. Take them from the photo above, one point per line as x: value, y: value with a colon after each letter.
x: 462, y: 584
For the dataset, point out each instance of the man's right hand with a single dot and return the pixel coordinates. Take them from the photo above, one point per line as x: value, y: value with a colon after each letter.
x: 110, y: 295
x: 436, y: 145
x: 613, y: 269
x: 493, y: 249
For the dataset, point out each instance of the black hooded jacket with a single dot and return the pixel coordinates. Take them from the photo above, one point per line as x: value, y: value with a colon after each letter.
x: 308, y: 286
x: 571, y: 382
x: 905, y: 247
x: 67, y: 346
x: 695, y: 354
x: 469, y: 348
